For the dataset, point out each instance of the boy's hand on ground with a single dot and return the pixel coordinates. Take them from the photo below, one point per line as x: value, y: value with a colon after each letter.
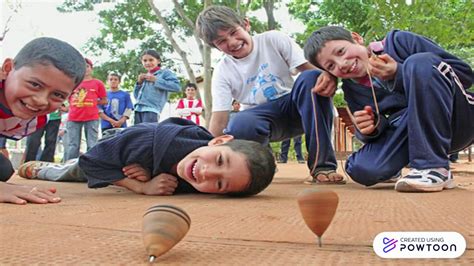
x: 325, y: 85
x: 136, y: 171
x: 161, y: 185
x: 364, y: 120
x: 383, y: 66
x: 18, y: 194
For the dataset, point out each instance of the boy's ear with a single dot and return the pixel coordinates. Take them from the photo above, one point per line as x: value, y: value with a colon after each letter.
x: 220, y: 140
x: 246, y: 25
x: 7, y: 66
x: 357, y: 38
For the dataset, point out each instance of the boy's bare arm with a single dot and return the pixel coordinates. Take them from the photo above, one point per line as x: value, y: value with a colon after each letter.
x: 106, y: 117
x: 131, y: 184
x: 218, y: 122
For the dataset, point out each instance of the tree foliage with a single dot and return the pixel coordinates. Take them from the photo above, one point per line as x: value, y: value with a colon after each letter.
x: 439, y: 20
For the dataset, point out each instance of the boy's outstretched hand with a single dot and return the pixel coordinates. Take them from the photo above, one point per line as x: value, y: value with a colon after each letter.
x: 136, y: 171
x: 382, y: 66
x: 365, y: 120
x: 161, y: 185
x: 325, y: 85
x: 19, y: 194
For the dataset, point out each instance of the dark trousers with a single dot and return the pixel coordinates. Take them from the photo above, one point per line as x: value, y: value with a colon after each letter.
x: 437, y: 121
x: 143, y: 117
x: 285, y: 148
x: 6, y: 168
x: 290, y: 116
x: 33, y: 142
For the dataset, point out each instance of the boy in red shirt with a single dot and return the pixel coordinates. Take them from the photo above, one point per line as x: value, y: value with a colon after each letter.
x: 84, y: 112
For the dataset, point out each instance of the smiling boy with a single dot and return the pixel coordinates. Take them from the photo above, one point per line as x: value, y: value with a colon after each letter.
x: 258, y: 71
x: 423, y: 109
x: 171, y: 157
x: 35, y: 83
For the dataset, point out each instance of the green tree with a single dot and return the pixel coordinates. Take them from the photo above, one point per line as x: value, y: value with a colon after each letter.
x: 145, y: 23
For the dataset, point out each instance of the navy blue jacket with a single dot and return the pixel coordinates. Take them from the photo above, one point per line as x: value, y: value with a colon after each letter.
x: 392, y: 101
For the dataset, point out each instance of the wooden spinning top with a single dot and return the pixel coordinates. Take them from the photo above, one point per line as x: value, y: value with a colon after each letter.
x: 317, y: 208
x: 163, y: 227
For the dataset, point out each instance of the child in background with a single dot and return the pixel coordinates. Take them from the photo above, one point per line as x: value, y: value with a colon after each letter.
x: 410, y: 102
x: 190, y: 108
x: 171, y: 157
x: 152, y: 88
x: 35, y: 83
x: 84, y: 112
x: 119, y: 105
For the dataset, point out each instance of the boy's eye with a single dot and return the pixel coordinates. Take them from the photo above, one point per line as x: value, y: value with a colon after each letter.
x: 330, y: 67
x: 60, y: 95
x: 219, y: 184
x: 219, y: 160
x: 34, y: 84
x: 340, y: 51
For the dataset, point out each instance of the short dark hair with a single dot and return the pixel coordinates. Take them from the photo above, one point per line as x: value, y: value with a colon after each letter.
x: 191, y: 85
x: 51, y: 51
x: 320, y: 37
x: 153, y: 53
x: 114, y: 75
x: 260, y: 162
x: 215, y: 18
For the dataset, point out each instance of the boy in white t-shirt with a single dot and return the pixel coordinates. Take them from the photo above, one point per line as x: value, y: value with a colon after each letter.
x: 257, y: 71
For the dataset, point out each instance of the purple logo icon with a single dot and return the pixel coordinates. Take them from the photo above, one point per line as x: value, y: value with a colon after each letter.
x: 390, y: 244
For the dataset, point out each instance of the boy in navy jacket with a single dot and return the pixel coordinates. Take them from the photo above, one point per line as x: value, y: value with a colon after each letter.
x: 409, y: 101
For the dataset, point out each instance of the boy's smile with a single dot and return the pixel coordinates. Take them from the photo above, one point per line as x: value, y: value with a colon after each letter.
x: 215, y: 169
x: 344, y: 59
x: 35, y: 90
x: 235, y: 42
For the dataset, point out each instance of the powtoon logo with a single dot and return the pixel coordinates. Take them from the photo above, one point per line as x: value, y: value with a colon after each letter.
x: 419, y: 245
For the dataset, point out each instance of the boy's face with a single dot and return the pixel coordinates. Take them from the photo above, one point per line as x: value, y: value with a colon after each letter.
x: 34, y: 90
x: 215, y: 169
x: 344, y: 59
x: 149, y: 62
x: 113, y: 82
x: 236, y: 106
x: 235, y: 42
x: 88, y: 70
x: 190, y: 92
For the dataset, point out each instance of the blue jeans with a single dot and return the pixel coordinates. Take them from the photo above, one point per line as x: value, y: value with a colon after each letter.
x: 74, y: 130
x: 67, y: 172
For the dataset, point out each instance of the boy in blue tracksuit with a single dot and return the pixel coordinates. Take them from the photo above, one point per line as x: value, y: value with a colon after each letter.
x: 421, y: 111
x: 152, y: 88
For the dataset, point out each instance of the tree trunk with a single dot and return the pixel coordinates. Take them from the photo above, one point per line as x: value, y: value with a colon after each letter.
x: 175, y: 45
x: 206, y: 59
x: 269, y: 6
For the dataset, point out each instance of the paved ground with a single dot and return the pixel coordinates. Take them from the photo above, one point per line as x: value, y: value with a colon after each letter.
x: 104, y: 226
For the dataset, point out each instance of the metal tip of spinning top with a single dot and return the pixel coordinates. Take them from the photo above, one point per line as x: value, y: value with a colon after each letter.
x: 151, y: 259
x: 320, y: 243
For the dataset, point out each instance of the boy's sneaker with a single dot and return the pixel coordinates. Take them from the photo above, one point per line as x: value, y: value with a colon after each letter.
x: 30, y: 169
x: 426, y: 180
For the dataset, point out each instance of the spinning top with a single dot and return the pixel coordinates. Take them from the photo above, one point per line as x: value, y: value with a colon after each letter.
x: 317, y: 208
x: 163, y: 227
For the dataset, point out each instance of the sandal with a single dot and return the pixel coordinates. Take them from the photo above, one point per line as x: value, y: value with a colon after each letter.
x: 330, y: 177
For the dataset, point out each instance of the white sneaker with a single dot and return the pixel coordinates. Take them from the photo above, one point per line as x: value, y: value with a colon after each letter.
x: 426, y: 180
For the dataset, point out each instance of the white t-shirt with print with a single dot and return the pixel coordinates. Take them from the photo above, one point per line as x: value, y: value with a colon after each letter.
x: 264, y: 75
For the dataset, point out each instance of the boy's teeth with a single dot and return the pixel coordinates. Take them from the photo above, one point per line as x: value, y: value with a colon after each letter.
x: 31, y: 108
x: 352, y: 67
